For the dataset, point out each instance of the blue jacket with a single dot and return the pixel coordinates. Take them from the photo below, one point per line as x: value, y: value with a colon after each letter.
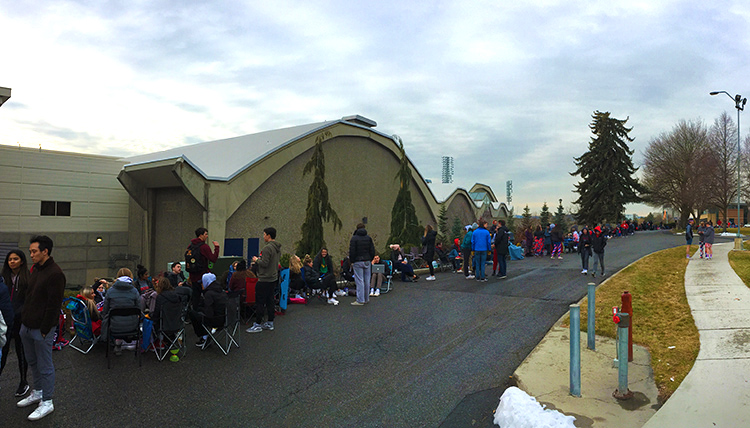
x: 466, y: 243
x: 481, y: 240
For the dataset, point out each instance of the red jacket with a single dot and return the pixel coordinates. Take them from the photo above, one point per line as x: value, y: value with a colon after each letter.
x: 208, y: 255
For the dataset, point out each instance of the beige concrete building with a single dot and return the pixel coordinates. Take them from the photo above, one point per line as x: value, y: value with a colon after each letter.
x: 73, y: 198
x: 238, y: 186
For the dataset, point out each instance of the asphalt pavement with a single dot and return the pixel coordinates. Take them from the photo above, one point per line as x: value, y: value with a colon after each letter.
x: 427, y: 354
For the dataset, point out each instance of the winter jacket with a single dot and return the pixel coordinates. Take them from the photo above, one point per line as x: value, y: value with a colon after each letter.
x: 361, y: 248
x: 311, y: 277
x: 6, y: 306
x: 708, y: 235
x: 169, y: 304
x: 44, y: 297
x: 466, y: 243
x: 689, y: 231
x: 480, y: 240
x: 268, y: 262
x: 584, y: 242
x: 175, y: 279
x: 599, y: 242
x: 556, y: 235
x: 428, y: 242
x: 17, y: 289
x: 397, y: 257
x: 214, y: 305
x: 320, y: 261
x: 501, y: 241
x: 208, y: 256
x: 122, y: 294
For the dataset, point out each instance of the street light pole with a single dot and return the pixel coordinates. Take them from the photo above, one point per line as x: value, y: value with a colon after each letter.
x: 739, y: 102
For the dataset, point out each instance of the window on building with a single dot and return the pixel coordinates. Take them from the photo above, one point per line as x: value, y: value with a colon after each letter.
x: 55, y: 208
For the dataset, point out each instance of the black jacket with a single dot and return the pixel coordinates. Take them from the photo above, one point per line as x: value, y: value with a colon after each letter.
x: 318, y: 263
x: 6, y: 307
x: 428, y: 241
x: 169, y: 304
x: 501, y: 241
x: 598, y: 243
x: 361, y: 248
x: 214, y: 305
x: 584, y: 243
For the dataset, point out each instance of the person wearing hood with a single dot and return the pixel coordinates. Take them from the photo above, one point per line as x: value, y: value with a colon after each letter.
x: 268, y: 277
x: 212, y: 309
x: 466, y: 250
x: 708, y: 238
x: 428, y: 242
x: 598, y: 242
x: 122, y: 294
x: 165, y: 295
x: 361, y: 254
x: 689, y: 236
x: 556, y: 239
x: 500, y: 246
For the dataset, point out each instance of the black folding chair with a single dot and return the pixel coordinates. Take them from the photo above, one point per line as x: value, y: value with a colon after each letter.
x: 170, y: 333
x: 132, y: 331
x: 228, y: 335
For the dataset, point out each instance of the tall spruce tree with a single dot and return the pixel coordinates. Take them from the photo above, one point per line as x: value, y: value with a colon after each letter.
x: 444, y: 236
x: 318, y: 206
x: 544, y: 216
x: 560, y: 218
x: 456, y: 229
x: 607, y: 172
x: 526, y: 220
x: 405, y: 229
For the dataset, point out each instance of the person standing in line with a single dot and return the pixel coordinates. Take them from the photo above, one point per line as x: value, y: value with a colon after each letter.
x: 701, y: 230
x: 268, y: 277
x: 466, y: 251
x: 201, y: 255
x: 428, y: 242
x: 556, y: 240
x: 361, y: 254
x: 584, y: 249
x: 40, y: 315
x: 538, y: 241
x: 481, y: 243
x: 15, y: 274
x: 598, y: 242
x: 689, y: 236
x: 708, y: 237
x: 501, y: 249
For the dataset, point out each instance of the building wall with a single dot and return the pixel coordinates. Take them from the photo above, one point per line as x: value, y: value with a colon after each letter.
x: 98, y: 208
x: 360, y: 178
x: 460, y: 207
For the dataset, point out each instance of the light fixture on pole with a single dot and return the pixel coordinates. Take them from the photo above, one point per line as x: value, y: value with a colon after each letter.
x: 739, y: 102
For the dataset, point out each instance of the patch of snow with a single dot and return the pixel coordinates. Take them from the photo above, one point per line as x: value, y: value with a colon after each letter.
x: 520, y: 410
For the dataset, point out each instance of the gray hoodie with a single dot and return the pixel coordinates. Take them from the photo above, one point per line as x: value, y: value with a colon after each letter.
x: 708, y: 235
x: 268, y: 262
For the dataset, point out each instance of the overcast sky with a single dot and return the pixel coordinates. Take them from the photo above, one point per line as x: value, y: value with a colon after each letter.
x: 506, y: 88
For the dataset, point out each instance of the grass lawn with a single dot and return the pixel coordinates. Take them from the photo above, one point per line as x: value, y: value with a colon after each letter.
x: 740, y: 262
x: 661, y: 314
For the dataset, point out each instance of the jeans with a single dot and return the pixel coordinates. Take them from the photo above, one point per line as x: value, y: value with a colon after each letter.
x: 361, y: 271
x: 585, y: 254
x: 481, y: 258
x: 38, y: 351
x: 502, y: 264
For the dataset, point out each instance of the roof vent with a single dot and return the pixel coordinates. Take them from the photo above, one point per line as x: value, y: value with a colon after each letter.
x: 360, y: 120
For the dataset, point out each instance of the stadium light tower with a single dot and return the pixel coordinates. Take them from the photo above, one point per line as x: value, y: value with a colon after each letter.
x: 739, y: 102
x: 447, y: 169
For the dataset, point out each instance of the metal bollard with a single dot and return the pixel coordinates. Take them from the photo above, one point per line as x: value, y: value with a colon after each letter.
x: 627, y: 306
x: 591, y: 330
x: 622, y: 392
x: 575, y: 350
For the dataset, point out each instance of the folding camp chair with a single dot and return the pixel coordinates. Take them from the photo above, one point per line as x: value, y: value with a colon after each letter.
x: 248, y: 305
x: 81, y: 324
x: 132, y: 332
x: 283, y: 297
x: 170, y: 333
x: 225, y: 337
x: 387, y: 284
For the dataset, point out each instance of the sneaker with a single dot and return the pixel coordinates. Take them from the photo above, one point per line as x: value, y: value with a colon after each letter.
x: 256, y: 328
x: 484, y: 280
x: 333, y: 301
x: 593, y: 274
x: 23, y: 388
x: 298, y: 296
x: 34, y: 397
x: 340, y: 293
x: 504, y: 276
x: 688, y: 257
x: 585, y: 271
x: 372, y: 292
x: 356, y: 303
x: 430, y: 278
x: 268, y: 325
x: 201, y: 343
x: 44, y: 409
x: 470, y: 277
x: 377, y: 293
x: 559, y: 257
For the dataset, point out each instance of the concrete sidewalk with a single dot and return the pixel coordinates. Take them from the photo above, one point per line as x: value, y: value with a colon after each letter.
x: 716, y: 392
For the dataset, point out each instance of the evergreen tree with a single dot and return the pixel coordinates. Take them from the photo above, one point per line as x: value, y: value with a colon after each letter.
x: 444, y: 236
x: 456, y: 229
x: 544, y: 215
x: 405, y: 228
x: 607, y: 172
x: 510, y: 222
x: 560, y: 218
x: 318, y: 206
x: 526, y: 220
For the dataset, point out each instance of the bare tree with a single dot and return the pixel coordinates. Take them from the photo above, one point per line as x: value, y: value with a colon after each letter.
x: 675, y: 167
x: 723, y: 175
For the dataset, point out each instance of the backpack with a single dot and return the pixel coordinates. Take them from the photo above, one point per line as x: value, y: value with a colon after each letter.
x: 194, y: 260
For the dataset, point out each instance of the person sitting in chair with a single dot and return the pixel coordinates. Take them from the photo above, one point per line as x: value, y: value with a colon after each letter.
x: 211, y: 311
x: 376, y: 279
x: 323, y: 266
x: 238, y: 280
x: 401, y: 264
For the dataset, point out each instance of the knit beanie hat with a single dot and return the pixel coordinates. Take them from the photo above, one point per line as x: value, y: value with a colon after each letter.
x: 474, y: 226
